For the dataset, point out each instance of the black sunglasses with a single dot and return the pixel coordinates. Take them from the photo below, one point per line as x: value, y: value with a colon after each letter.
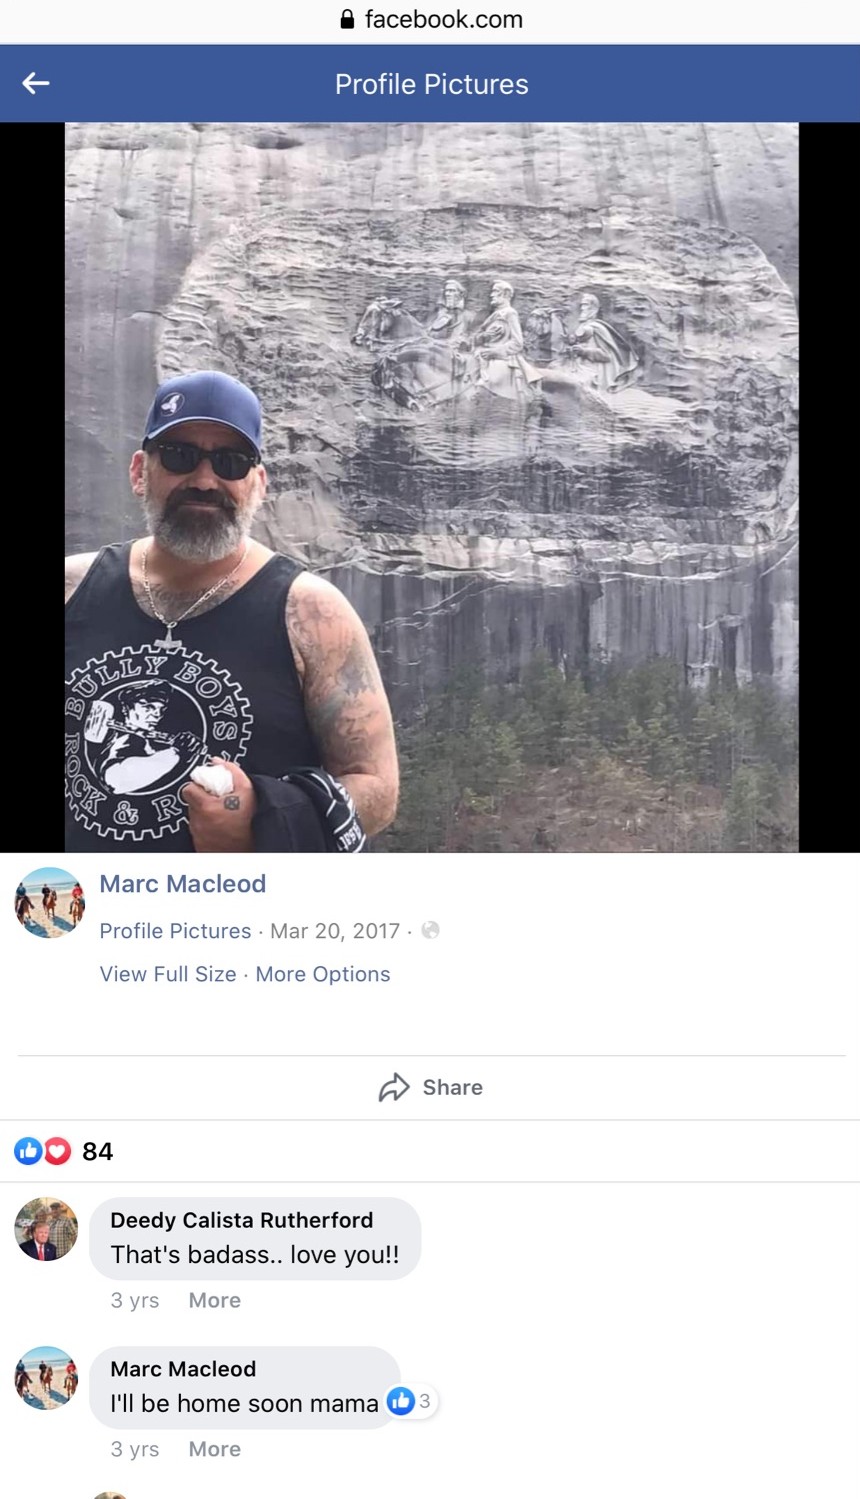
x: 184, y: 457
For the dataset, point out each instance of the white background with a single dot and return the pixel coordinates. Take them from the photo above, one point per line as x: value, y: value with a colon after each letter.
x: 639, y: 1269
x: 547, y: 22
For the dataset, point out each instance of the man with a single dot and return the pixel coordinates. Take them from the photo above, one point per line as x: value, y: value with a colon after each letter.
x: 198, y: 644
x: 38, y: 1246
x: 64, y: 1228
x: 498, y: 344
x: 500, y: 335
x: 604, y: 357
x: 23, y: 907
x: 451, y: 320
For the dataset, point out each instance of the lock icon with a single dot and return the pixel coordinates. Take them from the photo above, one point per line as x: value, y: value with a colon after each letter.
x: 347, y: 19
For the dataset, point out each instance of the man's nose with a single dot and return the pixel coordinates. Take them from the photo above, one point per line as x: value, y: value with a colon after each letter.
x: 204, y: 475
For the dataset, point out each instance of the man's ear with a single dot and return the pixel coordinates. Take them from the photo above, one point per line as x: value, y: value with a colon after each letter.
x: 136, y: 472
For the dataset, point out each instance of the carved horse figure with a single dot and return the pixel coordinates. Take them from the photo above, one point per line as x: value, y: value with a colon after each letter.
x: 423, y: 374
x: 546, y: 333
x: 385, y: 322
x: 415, y: 369
x: 419, y: 370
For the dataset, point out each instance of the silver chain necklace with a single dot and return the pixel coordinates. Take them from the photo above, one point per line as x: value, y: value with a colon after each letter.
x: 169, y: 643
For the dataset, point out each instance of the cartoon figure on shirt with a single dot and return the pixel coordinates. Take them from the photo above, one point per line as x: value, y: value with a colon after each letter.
x: 128, y: 749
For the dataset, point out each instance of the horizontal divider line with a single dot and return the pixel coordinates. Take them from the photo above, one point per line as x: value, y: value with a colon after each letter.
x: 476, y: 1119
x: 447, y: 1056
x: 426, y: 1181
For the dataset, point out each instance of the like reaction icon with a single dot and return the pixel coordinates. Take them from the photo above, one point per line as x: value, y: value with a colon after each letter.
x: 400, y: 1401
x: 28, y: 1151
x: 57, y: 1151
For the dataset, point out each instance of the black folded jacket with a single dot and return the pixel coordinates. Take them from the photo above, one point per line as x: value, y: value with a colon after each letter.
x: 305, y: 812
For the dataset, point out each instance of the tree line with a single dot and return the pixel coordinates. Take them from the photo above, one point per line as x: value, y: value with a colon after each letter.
x: 621, y: 758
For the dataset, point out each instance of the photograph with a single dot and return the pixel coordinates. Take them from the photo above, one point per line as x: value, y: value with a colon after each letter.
x: 46, y: 1378
x: 46, y: 1229
x: 49, y: 902
x: 432, y: 487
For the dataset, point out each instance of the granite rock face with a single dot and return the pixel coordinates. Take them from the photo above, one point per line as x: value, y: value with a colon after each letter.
x: 658, y: 519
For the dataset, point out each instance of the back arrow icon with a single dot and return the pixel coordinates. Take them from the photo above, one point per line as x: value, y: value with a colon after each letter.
x: 394, y: 1088
x: 31, y: 83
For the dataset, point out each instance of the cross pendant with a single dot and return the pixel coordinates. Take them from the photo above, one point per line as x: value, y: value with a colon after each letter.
x: 168, y: 643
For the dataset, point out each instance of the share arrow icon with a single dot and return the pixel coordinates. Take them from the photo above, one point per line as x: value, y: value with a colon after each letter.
x: 394, y: 1088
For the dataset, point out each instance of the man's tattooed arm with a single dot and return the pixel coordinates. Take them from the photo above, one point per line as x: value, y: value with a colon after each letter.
x: 344, y: 697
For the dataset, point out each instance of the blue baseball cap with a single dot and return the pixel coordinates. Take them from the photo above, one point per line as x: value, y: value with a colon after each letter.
x: 206, y: 396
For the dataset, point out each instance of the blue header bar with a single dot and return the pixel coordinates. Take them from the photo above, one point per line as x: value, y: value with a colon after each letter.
x: 708, y: 83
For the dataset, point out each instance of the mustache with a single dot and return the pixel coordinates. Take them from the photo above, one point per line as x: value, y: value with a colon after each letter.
x: 208, y: 496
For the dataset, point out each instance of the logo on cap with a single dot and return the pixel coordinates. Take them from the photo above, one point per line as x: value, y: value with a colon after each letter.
x: 173, y: 403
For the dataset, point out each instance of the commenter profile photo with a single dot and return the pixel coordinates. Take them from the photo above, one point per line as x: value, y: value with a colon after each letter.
x: 49, y: 902
x: 46, y: 1229
x: 46, y: 1378
x: 110, y: 1494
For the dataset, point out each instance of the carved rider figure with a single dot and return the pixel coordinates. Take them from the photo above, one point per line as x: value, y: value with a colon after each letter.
x: 500, y: 335
x: 498, y: 346
x: 451, y: 320
x: 603, y: 355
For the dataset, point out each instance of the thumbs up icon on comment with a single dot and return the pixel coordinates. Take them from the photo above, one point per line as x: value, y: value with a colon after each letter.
x: 400, y: 1401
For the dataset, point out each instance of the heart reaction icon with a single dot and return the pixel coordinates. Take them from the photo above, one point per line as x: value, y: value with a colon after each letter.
x: 57, y: 1151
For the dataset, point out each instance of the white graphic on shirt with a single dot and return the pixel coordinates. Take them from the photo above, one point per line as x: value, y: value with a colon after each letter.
x: 137, y: 723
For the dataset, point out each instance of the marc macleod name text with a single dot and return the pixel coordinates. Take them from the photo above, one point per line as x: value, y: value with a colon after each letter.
x: 181, y: 884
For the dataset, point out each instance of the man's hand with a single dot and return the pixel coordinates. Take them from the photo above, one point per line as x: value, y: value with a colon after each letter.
x: 221, y: 824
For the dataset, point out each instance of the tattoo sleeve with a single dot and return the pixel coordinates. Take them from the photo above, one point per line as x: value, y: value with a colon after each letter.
x: 345, y: 700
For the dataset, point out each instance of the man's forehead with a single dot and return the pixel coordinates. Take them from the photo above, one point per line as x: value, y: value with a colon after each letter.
x: 205, y: 435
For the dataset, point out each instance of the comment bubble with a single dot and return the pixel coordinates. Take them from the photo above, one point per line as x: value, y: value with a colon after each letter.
x: 242, y: 1388
x: 286, y: 1238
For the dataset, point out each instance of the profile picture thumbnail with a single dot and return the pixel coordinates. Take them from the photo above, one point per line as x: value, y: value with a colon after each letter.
x: 110, y: 1494
x: 46, y: 1378
x: 46, y: 1229
x: 49, y: 902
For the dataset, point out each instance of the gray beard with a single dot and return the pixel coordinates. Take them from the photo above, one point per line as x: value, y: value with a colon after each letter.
x: 197, y: 536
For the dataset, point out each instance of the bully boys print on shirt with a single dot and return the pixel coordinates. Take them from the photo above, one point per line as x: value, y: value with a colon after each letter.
x: 137, y: 723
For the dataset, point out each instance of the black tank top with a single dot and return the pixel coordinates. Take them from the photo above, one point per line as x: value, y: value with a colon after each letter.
x: 139, y: 717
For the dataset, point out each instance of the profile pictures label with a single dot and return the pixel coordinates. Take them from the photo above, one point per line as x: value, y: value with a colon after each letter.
x: 137, y: 722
